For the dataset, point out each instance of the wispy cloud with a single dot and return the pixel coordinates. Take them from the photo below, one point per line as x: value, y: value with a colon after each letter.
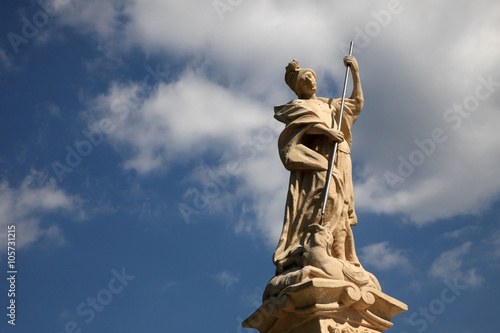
x: 226, y: 278
x: 449, y: 266
x: 494, y: 241
x: 463, y: 232
x: 169, y: 285
x: 383, y: 256
x: 6, y: 61
x: 26, y: 205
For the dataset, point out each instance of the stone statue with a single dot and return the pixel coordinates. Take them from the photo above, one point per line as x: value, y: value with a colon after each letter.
x: 310, y: 247
x: 319, y: 284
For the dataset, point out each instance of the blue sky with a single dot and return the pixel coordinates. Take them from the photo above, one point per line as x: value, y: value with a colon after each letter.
x: 139, y: 163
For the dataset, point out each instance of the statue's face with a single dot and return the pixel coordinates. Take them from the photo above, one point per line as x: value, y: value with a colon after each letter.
x: 307, y: 83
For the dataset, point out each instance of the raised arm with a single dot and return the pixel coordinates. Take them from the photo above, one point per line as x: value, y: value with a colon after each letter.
x: 357, y: 91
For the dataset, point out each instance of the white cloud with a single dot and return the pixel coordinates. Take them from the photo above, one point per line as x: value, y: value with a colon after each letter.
x: 26, y: 205
x: 383, y: 256
x: 448, y: 266
x: 98, y: 18
x: 6, y: 60
x: 412, y: 77
x: 436, y: 187
x: 226, y: 278
x: 177, y: 120
x: 169, y: 285
x: 463, y: 232
x: 494, y: 241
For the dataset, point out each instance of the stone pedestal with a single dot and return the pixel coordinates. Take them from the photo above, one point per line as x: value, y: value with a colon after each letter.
x: 326, y: 306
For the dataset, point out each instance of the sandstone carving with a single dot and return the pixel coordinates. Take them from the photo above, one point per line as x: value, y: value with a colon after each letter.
x: 320, y: 285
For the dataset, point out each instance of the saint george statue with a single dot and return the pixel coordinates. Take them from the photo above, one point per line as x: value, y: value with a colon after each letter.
x: 312, y: 246
x: 319, y: 284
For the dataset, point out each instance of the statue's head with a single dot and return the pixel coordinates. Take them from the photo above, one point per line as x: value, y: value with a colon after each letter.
x: 300, y: 80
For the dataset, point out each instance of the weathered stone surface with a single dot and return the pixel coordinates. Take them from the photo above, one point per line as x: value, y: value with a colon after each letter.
x: 325, y: 305
x: 319, y: 284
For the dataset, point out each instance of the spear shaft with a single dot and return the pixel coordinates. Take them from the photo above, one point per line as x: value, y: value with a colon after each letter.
x: 336, y: 145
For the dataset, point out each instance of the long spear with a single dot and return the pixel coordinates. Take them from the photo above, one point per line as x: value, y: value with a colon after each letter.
x: 335, y: 147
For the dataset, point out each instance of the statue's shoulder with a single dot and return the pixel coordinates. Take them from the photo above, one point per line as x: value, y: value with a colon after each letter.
x: 298, y: 101
x: 288, y: 105
x: 294, y: 102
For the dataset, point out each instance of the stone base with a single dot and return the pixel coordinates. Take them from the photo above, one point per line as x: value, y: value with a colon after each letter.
x: 326, y: 306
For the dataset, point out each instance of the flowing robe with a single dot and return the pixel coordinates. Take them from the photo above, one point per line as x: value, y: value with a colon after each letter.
x: 307, y: 157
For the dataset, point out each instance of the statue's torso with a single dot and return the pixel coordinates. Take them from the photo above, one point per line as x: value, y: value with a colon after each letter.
x: 325, y: 112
